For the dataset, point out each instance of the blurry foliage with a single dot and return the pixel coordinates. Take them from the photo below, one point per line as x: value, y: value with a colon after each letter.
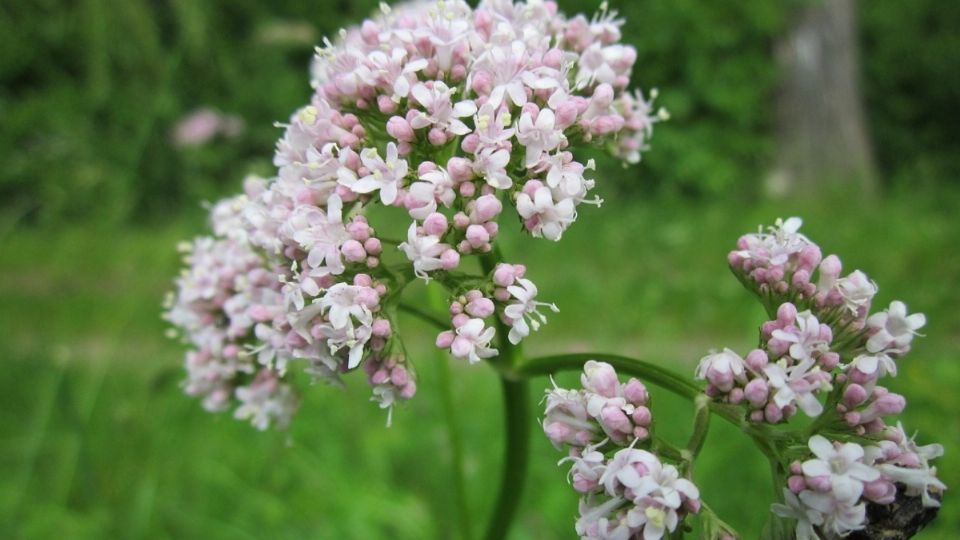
x: 90, y: 90
x: 911, y: 61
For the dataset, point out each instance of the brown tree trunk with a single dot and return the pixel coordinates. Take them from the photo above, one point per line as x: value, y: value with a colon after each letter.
x: 821, y: 136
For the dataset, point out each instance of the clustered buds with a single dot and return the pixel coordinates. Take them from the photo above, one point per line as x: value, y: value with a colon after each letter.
x: 626, y: 492
x: 833, y: 352
x: 455, y: 116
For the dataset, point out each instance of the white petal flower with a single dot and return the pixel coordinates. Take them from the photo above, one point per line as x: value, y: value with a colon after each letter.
x: 893, y: 328
x: 385, y: 175
x: 525, y: 310
x: 424, y: 251
x: 473, y: 341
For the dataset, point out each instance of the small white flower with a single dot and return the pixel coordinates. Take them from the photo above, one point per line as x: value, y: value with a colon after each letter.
x: 491, y: 165
x: 843, y: 465
x: 538, y: 136
x: 435, y: 186
x: 792, y: 387
x: 893, y: 328
x: 805, y: 338
x: 806, y: 517
x: 525, y: 310
x: 549, y: 217
x: 857, y: 290
x: 441, y: 111
x: 473, y: 341
x: 424, y: 251
x: 385, y: 174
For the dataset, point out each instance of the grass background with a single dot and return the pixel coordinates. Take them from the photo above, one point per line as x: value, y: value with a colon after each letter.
x: 97, y: 439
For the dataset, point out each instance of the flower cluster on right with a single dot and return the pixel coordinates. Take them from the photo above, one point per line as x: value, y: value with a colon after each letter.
x: 825, y: 354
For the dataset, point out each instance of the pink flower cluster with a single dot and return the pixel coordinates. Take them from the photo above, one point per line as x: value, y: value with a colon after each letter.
x: 782, y: 265
x: 218, y: 304
x: 834, y: 352
x: 834, y: 346
x: 829, y: 492
x: 787, y: 372
x: 452, y: 115
x: 626, y: 492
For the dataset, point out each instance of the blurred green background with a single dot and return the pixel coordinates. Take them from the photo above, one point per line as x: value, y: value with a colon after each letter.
x: 96, y: 438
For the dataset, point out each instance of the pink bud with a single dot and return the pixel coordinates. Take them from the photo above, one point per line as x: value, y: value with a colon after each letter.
x: 880, y: 491
x: 449, y: 259
x: 756, y: 359
x: 601, y: 378
x: 553, y: 58
x: 796, y: 484
x: 786, y: 313
x: 772, y: 413
x: 467, y: 189
x: 460, y: 320
x: 477, y: 236
x: 602, y: 96
x: 437, y: 137
x: 566, y: 114
x: 381, y: 328
x: 480, y: 307
x: 460, y: 169
x: 470, y: 143
x: 379, y: 377
x: 482, y: 82
x: 461, y: 347
x: 756, y: 392
x: 829, y: 360
x: 820, y: 483
x: 372, y: 246
x: 353, y: 251
x: 425, y: 167
x: 614, y: 419
x: 557, y: 432
x: 487, y: 208
x: 399, y: 376
x: 409, y: 389
x: 809, y: 257
x: 504, y: 275
x: 460, y: 220
x: 830, y: 267
x: 386, y: 105
x: 635, y: 392
x: 641, y: 416
x: 435, y: 224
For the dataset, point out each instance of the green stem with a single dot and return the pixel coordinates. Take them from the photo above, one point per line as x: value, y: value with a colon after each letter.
x: 516, y: 408
x: 424, y: 315
x: 701, y: 426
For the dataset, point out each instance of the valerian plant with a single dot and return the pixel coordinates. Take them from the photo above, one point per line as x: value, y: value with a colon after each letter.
x: 457, y: 118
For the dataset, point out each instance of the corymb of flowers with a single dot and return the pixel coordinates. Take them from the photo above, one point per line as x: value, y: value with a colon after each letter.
x: 448, y: 113
x: 822, y: 354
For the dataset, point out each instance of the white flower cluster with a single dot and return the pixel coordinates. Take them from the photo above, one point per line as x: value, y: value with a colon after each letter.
x: 626, y: 492
x: 827, y: 494
x: 447, y: 113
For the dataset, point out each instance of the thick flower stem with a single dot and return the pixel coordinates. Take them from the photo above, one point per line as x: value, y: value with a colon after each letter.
x: 516, y: 407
